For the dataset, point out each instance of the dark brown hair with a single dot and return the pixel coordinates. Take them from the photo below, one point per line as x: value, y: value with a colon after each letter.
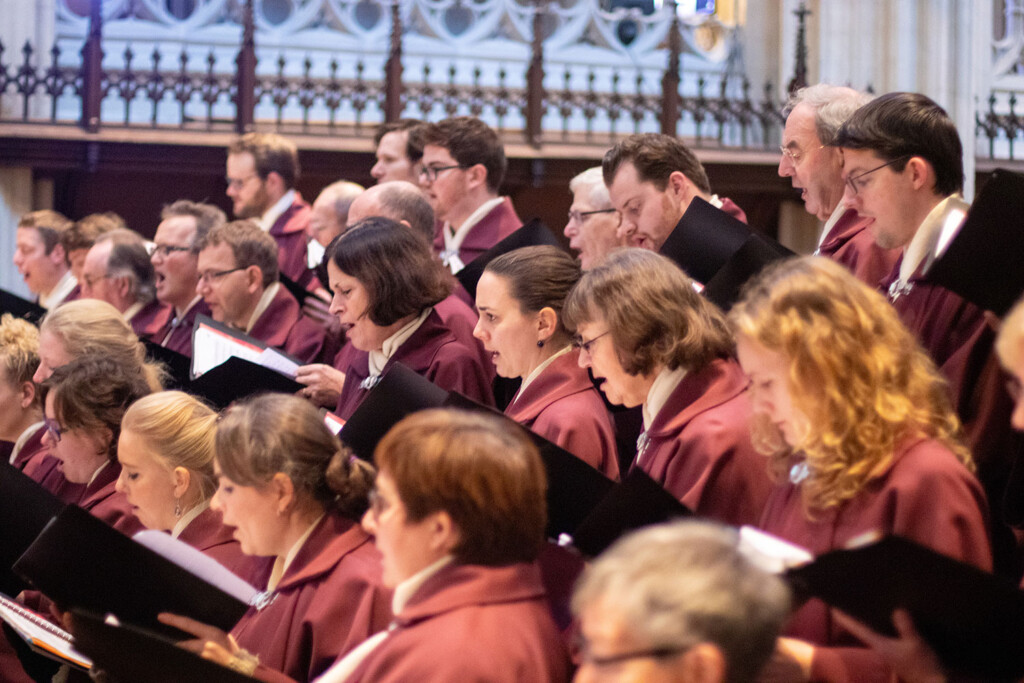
x: 271, y: 433
x: 538, y: 277
x: 94, y: 392
x: 83, y: 233
x: 655, y: 158
x: 481, y: 470
x: 413, y: 147
x: 470, y: 141
x: 271, y: 153
x: 394, y: 264
x: 653, y: 312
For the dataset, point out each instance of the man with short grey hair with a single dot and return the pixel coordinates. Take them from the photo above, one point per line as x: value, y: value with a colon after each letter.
x: 328, y: 217
x: 117, y: 270
x: 814, y: 116
x: 593, y: 221
x: 678, y: 603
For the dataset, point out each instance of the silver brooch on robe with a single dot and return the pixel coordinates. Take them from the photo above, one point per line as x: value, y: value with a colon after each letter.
x: 798, y: 472
x: 370, y: 382
x: 263, y: 600
x: 899, y: 288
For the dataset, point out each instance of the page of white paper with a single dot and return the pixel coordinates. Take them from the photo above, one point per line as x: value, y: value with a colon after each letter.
x: 196, y: 562
x: 334, y: 423
x: 36, y: 630
x: 278, y: 362
x: 771, y: 553
x: 211, y: 347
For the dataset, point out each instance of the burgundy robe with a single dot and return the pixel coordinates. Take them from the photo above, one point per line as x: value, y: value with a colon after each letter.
x: 851, y: 243
x: 926, y: 496
x: 180, y: 338
x: 472, y: 623
x: 499, y: 223
x: 461, y: 319
x: 956, y: 335
x: 32, y: 449
x: 150, y: 319
x: 431, y: 351
x: 562, y: 405
x: 699, y: 447
x: 289, y: 231
x: 208, y: 534
x: 731, y: 208
x: 104, y: 502
x: 328, y: 601
x: 283, y: 326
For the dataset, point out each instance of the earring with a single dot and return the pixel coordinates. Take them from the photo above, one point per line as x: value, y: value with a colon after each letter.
x: 177, y: 508
x: 540, y: 344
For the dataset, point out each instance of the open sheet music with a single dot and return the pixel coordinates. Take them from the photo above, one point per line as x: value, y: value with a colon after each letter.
x: 42, y: 636
x: 213, y: 343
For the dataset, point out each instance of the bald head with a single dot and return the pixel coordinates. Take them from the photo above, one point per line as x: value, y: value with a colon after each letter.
x: 329, y: 214
x: 398, y: 200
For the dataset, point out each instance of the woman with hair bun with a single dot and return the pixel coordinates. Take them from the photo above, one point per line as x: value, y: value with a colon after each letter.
x: 860, y: 434
x: 520, y: 297
x: 293, y: 494
x: 166, y: 455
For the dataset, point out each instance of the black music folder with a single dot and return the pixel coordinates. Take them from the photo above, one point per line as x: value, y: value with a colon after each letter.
x: 574, y: 487
x: 81, y: 563
x: 25, y: 508
x: 533, y: 233
x: 983, y: 260
x: 238, y: 378
x: 400, y: 392
x: 725, y: 287
x: 704, y: 240
x: 20, y: 308
x: 129, y: 654
x: 972, y: 619
x: 637, y: 501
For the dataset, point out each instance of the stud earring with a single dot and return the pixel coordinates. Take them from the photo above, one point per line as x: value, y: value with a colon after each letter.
x: 540, y: 344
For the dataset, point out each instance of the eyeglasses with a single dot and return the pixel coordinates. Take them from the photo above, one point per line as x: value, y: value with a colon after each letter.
x: 582, y: 654
x: 856, y: 183
x: 585, y: 345
x: 378, y: 504
x: 237, y: 183
x: 90, y: 281
x: 795, y: 155
x: 431, y: 172
x: 580, y: 216
x: 165, y: 250
x: 213, y: 276
x: 52, y: 428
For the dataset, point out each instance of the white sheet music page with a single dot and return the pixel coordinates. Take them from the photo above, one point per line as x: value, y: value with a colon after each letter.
x: 771, y: 553
x: 40, y: 633
x: 211, y: 347
x: 196, y: 562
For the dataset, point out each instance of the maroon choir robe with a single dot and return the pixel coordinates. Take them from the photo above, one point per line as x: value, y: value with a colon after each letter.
x: 472, y: 623
x: 731, y: 208
x: 32, y: 449
x: 176, y: 333
x: 104, y: 502
x: 208, y: 534
x: 926, y: 496
x: 699, y: 449
x: 328, y: 601
x: 48, y: 471
x: 74, y: 295
x: 289, y: 231
x: 150, y: 319
x: 851, y: 243
x: 499, y: 223
x: 461, y: 319
x: 562, y: 405
x: 431, y: 351
x: 283, y: 326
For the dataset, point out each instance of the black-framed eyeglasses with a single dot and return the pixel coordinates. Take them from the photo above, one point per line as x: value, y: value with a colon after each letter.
x: 431, y: 172
x: 213, y: 276
x: 165, y: 250
x: 580, y: 216
x: 856, y: 183
x: 52, y: 428
x: 585, y: 345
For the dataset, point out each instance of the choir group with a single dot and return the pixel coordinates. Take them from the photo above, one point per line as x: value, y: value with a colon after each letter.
x: 828, y: 401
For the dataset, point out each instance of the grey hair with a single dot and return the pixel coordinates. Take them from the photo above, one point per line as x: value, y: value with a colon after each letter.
x: 832, y: 105
x: 685, y: 583
x: 402, y: 201
x: 592, y: 178
x: 129, y: 257
x: 341, y: 194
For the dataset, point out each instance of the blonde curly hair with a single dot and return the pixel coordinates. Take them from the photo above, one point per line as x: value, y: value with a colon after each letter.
x: 855, y: 371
